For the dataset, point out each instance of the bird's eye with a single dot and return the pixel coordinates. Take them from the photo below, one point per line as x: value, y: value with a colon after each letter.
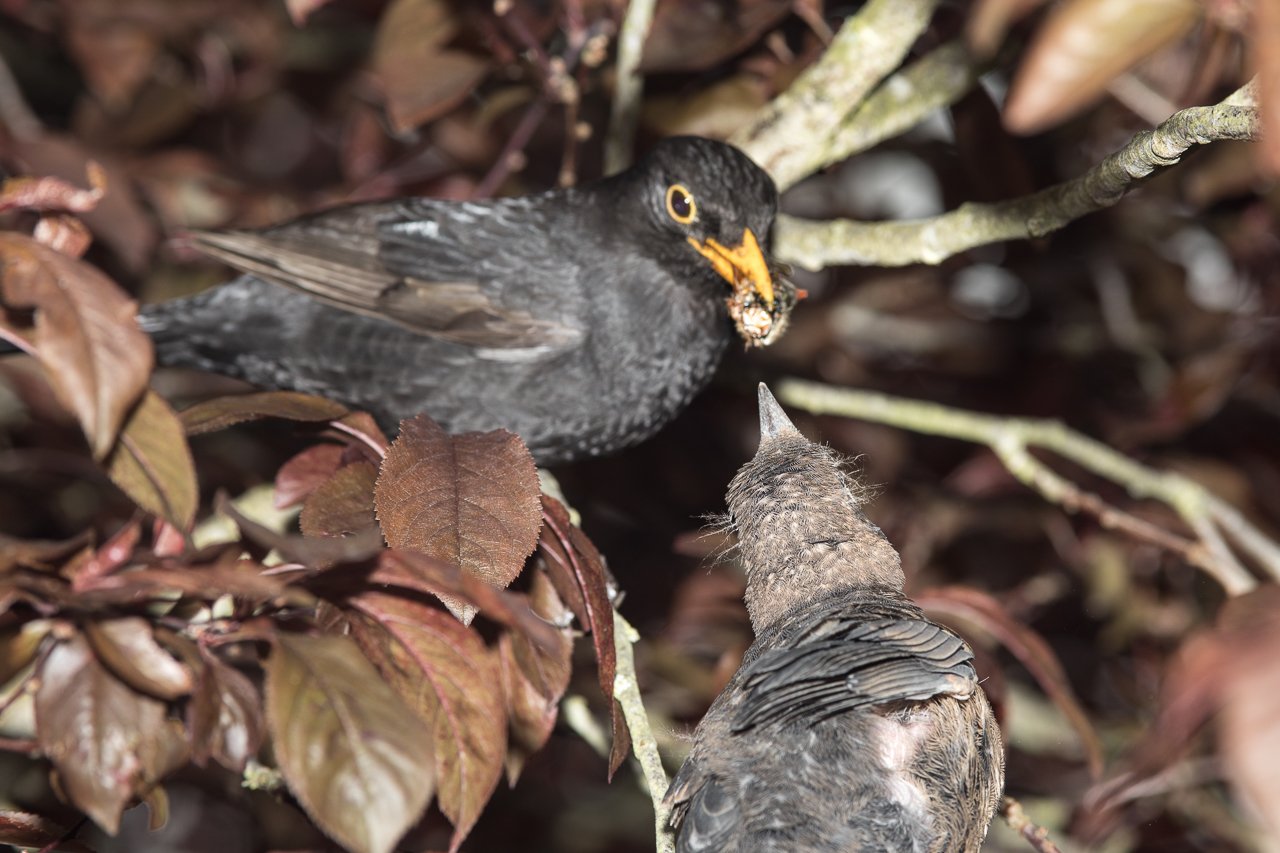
x: 680, y: 204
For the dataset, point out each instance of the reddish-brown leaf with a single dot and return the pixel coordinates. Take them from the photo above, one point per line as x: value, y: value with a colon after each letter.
x: 32, y: 831
x: 420, y: 77
x: 127, y: 647
x: 343, y: 504
x: 107, y: 742
x: 424, y: 573
x: 54, y: 194
x: 224, y: 716
x: 112, y: 555
x: 222, y: 412
x: 361, y: 427
x: 305, y: 473
x: 86, y: 335
x: 576, y: 554
x: 533, y: 678
x: 1083, y: 46
x: 356, y: 757
x: 63, y: 233
x: 444, y: 671
x: 1264, y: 45
x: 315, y: 552
x: 152, y: 463
x: 470, y: 500
x: 1027, y: 646
x: 38, y: 554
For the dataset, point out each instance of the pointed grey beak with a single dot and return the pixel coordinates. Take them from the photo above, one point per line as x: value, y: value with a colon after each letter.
x: 773, y: 421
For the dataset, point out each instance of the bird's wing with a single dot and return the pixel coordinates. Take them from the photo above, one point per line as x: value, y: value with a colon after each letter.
x: 843, y: 664
x: 338, y: 257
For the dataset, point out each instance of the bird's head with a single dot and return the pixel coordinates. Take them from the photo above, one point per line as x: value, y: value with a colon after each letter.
x: 801, y: 530
x: 713, y: 209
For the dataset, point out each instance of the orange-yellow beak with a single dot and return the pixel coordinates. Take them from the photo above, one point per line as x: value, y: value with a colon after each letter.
x: 742, y: 266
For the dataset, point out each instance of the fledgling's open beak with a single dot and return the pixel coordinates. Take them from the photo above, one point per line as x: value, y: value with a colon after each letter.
x: 759, y: 311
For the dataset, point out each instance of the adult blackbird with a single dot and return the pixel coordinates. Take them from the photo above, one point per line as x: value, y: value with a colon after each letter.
x: 854, y: 723
x: 582, y: 319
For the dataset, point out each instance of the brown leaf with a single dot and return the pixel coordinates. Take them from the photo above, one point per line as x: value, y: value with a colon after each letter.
x: 687, y: 35
x: 19, y: 647
x: 64, y: 234
x: 152, y: 463
x: 305, y: 473
x: 358, y: 760
x: 300, y: 10
x: 116, y: 58
x: 420, y: 78
x: 107, y: 742
x: 32, y: 831
x: 1266, y: 59
x: 224, y: 716
x: 444, y: 671
x: 222, y: 412
x: 361, y: 427
x: 127, y: 647
x: 314, y: 552
x: 119, y: 219
x: 470, y: 500
x: 1083, y: 46
x: 989, y: 21
x: 343, y: 504
x: 38, y: 554
x: 112, y: 555
x: 534, y: 679
x: 569, y: 548
x: 86, y: 335
x: 424, y: 573
x: 1027, y: 646
x: 54, y: 194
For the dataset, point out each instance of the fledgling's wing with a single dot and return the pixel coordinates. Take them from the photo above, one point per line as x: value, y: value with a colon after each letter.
x: 435, y: 269
x: 842, y: 664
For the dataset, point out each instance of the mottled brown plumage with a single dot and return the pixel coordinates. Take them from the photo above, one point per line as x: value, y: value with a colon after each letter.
x: 854, y: 723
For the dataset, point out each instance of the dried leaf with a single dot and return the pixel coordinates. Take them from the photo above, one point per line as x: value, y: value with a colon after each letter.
x: 420, y: 78
x: 1027, y: 646
x: 222, y: 412
x: 127, y: 647
x: 32, y: 831
x: 1266, y: 58
x: 444, y: 671
x: 64, y: 234
x: 989, y: 21
x: 300, y: 10
x: 343, y: 504
x: 470, y: 500
x: 107, y: 742
x: 152, y: 463
x: 86, y: 335
x: 315, y: 552
x: 54, y: 194
x: 1083, y: 46
x: 687, y: 35
x: 575, y: 554
x: 225, y: 716
x: 362, y: 427
x: 354, y: 755
x: 534, y: 679
x: 305, y: 473
x: 112, y: 555
x: 38, y: 554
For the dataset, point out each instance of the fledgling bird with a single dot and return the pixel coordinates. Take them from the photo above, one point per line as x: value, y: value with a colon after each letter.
x: 854, y: 723
x: 582, y: 319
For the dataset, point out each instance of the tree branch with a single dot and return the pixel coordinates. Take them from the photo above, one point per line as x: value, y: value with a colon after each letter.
x: 814, y: 245
x: 788, y: 136
x: 626, y: 690
x: 629, y: 87
x: 1011, y: 438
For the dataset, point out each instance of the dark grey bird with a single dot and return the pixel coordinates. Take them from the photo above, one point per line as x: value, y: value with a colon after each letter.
x: 582, y: 319
x: 854, y: 723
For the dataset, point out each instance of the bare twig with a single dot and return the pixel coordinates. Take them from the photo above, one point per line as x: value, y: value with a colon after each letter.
x: 814, y: 245
x: 789, y: 136
x: 624, y: 120
x: 1011, y: 439
x: 513, y: 150
x: 626, y: 690
x: 1037, y: 836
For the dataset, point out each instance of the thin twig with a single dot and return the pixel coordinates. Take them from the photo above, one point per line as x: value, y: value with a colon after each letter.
x: 626, y: 691
x: 66, y: 836
x: 788, y: 137
x: 1037, y: 836
x: 629, y: 87
x: 814, y: 245
x: 1010, y: 438
x: 513, y: 149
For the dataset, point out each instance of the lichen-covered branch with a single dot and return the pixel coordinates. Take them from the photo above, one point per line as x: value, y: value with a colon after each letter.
x: 902, y: 101
x: 1011, y: 439
x: 629, y: 87
x: 1036, y: 836
x: 814, y: 245
x: 788, y: 136
x: 626, y: 690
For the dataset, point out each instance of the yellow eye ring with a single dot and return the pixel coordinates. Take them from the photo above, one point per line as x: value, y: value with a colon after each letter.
x: 680, y: 204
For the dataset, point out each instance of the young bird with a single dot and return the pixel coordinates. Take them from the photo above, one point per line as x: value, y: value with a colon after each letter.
x: 854, y: 723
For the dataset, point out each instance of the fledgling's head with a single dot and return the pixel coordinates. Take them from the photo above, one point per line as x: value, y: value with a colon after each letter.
x: 801, y: 532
